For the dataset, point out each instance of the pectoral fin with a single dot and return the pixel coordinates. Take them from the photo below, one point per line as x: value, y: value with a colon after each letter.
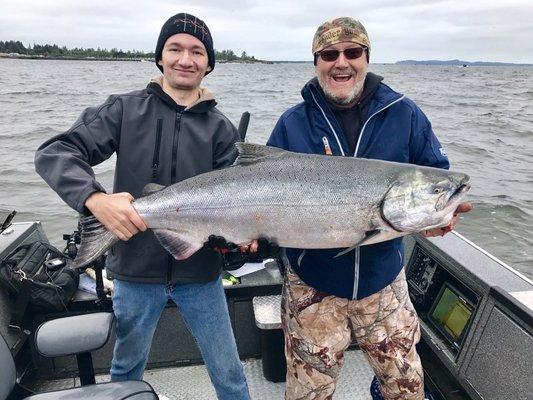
x: 341, y: 253
x: 368, y: 235
x: 381, y: 236
x: 177, y: 243
x: 372, y: 237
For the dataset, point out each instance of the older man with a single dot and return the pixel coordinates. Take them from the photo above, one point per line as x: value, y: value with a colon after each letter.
x: 348, y: 111
x: 165, y: 133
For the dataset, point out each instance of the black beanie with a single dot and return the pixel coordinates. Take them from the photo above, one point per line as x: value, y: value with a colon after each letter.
x: 186, y: 23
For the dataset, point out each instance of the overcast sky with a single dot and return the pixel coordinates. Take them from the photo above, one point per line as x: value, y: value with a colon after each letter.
x: 472, y: 30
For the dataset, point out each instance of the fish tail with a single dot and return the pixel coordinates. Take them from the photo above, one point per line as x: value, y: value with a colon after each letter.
x: 95, y: 241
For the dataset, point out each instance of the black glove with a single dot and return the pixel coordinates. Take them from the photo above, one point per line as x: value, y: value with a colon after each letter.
x: 221, y: 245
x: 265, y: 249
x: 232, y: 256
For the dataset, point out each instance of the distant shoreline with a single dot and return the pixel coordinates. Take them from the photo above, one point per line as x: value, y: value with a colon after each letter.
x: 38, y: 57
x: 452, y: 63
x: 25, y: 57
x: 462, y: 63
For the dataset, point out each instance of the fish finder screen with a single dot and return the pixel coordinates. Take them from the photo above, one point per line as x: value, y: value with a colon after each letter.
x: 451, y: 313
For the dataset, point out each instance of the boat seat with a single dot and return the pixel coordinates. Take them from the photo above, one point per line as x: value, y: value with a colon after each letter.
x: 74, y: 335
x: 131, y: 390
x: 59, y: 337
x: 267, y: 313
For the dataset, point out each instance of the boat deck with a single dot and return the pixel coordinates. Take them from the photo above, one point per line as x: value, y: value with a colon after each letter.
x: 192, y: 382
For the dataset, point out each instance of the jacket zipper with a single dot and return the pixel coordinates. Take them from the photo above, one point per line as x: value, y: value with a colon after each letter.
x: 173, y: 179
x: 356, y: 272
x: 327, y: 147
x: 329, y: 123
x: 175, y: 149
x: 302, y: 254
x: 155, y: 162
x: 357, y: 249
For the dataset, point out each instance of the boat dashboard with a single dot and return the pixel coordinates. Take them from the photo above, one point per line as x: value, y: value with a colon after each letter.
x: 476, y: 318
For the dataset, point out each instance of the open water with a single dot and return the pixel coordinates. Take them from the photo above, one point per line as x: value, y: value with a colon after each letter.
x: 482, y: 115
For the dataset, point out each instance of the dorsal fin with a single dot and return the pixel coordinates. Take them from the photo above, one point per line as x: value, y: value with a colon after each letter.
x: 250, y: 153
x: 152, y: 188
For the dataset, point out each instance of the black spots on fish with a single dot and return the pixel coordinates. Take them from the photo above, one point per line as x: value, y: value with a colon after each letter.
x: 178, y: 210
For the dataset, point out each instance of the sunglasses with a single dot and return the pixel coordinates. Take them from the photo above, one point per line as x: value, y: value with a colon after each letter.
x: 352, y: 53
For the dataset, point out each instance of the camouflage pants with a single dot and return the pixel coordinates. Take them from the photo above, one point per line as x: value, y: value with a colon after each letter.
x: 318, y: 328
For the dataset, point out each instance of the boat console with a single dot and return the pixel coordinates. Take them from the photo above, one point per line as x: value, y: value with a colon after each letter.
x: 476, y: 318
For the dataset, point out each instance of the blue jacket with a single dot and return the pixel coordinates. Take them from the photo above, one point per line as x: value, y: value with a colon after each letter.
x: 395, y: 130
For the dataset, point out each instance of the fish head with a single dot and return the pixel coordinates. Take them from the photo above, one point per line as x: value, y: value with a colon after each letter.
x: 423, y: 198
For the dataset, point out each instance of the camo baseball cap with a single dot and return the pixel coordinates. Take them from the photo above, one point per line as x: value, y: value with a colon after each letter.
x: 343, y: 29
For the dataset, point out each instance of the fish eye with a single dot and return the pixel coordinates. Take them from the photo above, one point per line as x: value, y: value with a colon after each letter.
x: 438, y: 190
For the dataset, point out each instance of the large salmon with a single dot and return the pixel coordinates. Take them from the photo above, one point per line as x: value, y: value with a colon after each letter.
x: 296, y: 200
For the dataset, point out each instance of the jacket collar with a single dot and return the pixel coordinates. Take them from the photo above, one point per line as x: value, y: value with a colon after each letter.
x: 205, y: 102
x: 314, y: 97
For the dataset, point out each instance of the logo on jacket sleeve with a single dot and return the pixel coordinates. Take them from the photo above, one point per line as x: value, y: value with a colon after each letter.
x: 442, y: 152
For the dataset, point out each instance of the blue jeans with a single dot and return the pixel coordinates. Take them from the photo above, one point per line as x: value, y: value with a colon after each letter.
x: 203, y: 306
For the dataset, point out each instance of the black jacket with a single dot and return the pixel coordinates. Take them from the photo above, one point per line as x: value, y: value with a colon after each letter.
x: 154, y: 142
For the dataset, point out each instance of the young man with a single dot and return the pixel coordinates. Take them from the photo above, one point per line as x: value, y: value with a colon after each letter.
x: 165, y: 133
x: 348, y: 111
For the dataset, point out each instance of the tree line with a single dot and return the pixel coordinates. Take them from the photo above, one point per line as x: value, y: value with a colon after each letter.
x: 54, y: 51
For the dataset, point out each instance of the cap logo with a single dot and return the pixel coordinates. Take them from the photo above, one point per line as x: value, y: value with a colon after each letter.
x: 329, y: 35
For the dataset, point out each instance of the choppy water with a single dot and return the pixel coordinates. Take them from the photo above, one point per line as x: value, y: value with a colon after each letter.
x: 482, y: 115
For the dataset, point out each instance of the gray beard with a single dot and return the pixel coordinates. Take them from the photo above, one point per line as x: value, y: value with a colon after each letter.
x: 348, y: 100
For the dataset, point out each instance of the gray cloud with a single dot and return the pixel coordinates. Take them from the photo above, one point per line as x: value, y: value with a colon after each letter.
x: 278, y: 30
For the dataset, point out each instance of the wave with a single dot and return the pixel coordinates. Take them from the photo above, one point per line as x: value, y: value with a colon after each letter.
x: 502, y: 205
x: 41, y: 133
x: 32, y: 92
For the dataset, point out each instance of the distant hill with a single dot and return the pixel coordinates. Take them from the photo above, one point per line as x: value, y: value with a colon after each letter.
x: 460, y: 62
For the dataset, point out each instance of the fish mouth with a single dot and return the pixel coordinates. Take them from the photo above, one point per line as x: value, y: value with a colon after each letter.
x: 458, y: 194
